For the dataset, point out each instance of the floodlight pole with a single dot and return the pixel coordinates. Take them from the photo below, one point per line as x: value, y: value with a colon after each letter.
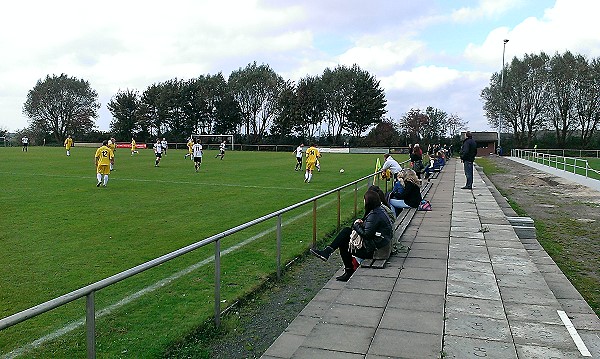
x: 501, y: 92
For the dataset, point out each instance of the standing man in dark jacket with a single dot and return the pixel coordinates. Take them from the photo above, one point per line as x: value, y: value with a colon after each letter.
x: 467, y: 155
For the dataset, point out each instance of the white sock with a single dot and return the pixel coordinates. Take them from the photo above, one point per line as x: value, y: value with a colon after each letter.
x: 105, y: 180
x: 68, y: 153
x: 99, y: 177
x: 309, y: 177
x: 305, y: 175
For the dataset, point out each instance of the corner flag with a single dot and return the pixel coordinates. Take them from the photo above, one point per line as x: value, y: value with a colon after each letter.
x: 377, y: 168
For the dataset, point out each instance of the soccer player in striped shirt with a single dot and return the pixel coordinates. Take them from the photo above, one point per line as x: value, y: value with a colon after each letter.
x: 197, y: 149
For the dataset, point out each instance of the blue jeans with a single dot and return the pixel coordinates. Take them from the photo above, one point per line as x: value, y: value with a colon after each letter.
x: 468, y: 166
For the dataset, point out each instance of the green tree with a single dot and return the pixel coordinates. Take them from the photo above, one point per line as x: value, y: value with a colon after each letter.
x: 61, y: 105
x: 125, y: 109
x: 256, y: 89
x: 414, y: 123
x: 437, y: 122
x: 311, y: 106
x: 522, y: 102
x: 385, y: 133
x: 562, y: 87
x: 587, y: 98
x: 354, y: 101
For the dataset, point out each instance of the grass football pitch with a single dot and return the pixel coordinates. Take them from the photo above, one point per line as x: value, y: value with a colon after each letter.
x: 59, y: 232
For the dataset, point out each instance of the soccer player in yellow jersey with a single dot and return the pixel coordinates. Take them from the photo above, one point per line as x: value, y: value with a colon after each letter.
x: 68, y: 144
x: 103, y: 159
x: 312, y: 154
x: 133, y: 148
x: 190, y: 145
x: 112, y: 144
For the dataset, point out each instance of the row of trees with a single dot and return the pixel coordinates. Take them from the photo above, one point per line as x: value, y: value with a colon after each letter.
x: 540, y: 93
x: 254, y: 103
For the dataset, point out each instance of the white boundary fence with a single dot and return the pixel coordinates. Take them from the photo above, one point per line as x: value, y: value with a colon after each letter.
x: 569, y: 164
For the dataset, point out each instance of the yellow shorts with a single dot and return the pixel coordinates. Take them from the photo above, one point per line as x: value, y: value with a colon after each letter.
x: 310, y: 166
x: 103, y: 169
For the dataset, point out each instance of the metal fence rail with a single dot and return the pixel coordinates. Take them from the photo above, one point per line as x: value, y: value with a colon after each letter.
x: 569, y: 164
x: 89, y: 290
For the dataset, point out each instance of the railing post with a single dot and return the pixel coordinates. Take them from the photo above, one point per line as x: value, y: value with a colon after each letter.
x: 314, y: 229
x: 217, y: 282
x: 339, y: 210
x: 355, y: 198
x: 279, y: 247
x: 90, y: 326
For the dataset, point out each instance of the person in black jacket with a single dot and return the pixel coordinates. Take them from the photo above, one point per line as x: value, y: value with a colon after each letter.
x: 406, y: 192
x: 468, y: 152
x: 375, y: 228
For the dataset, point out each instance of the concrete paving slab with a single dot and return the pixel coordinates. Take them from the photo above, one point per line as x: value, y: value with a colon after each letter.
x: 417, y: 302
x: 528, y: 296
x: 533, y: 351
x: 315, y: 309
x: 588, y: 321
x: 532, y: 313
x: 575, y: 306
x: 413, y: 321
x: 429, y: 246
x: 592, y: 342
x: 285, y: 345
x: 563, y: 291
x: 429, y: 253
x: 354, y: 296
x: 483, y: 267
x: 302, y: 325
x: 314, y: 353
x: 525, y: 270
x: 472, y: 253
x: 354, y: 315
x: 406, y: 345
x: 366, y: 282
x: 424, y: 263
x: 341, y: 338
x: 420, y: 286
x: 472, y: 348
x: 473, y: 290
x: 327, y: 295
x: 530, y: 282
x: 504, y: 244
x: 475, y: 306
x: 542, y: 334
x: 424, y: 273
x: 465, y: 325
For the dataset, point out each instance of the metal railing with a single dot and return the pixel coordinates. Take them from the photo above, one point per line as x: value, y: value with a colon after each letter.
x: 569, y: 152
x: 569, y: 164
x: 89, y: 291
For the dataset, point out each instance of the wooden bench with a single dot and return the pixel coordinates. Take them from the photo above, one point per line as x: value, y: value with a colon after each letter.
x: 402, y: 221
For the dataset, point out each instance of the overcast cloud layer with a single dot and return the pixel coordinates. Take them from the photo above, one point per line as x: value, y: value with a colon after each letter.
x: 430, y: 54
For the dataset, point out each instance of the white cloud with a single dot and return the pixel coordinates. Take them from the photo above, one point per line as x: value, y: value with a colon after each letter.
x: 485, y: 9
x: 569, y: 25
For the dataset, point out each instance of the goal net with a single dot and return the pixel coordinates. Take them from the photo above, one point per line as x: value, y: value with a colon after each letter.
x: 215, y: 139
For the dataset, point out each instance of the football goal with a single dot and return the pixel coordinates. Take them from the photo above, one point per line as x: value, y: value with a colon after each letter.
x: 215, y: 138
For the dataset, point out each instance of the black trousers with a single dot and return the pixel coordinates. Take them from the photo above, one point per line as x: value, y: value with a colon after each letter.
x: 342, y: 242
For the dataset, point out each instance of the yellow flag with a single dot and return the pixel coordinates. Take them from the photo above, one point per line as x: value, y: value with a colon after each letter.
x: 377, y: 168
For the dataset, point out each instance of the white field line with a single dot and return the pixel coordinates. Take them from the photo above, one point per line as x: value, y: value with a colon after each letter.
x: 576, y: 338
x: 108, y: 310
x: 92, y: 180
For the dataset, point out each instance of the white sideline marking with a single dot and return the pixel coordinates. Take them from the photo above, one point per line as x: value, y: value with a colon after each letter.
x: 92, y: 180
x: 108, y: 310
x: 576, y: 338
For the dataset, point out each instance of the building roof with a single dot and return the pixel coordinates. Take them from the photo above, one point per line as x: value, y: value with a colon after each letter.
x: 482, y: 136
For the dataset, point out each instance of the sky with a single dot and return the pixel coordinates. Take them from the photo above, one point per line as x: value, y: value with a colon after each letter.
x: 436, y: 53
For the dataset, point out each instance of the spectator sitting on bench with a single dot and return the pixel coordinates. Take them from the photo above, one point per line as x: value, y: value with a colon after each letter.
x: 406, y: 192
x: 374, y: 228
x: 436, y: 164
x: 384, y: 203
